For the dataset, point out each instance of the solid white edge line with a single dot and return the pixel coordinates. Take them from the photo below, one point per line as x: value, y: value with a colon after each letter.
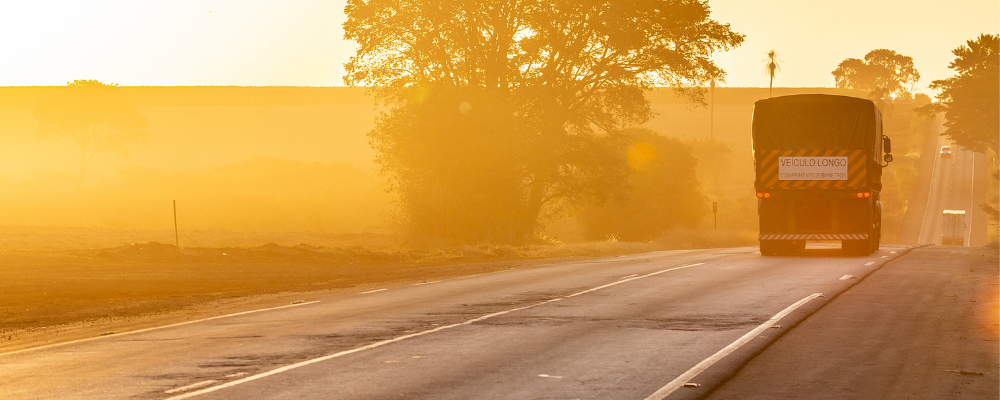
x: 686, y: 377
x: 49, y: 346
x: 412, y: 335
x: 191, y: 386
x: 930, y: 188
x: 374, y: 291
x: 972, y: 201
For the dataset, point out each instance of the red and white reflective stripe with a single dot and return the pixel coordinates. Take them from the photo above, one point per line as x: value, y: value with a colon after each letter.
x: 813, y: 236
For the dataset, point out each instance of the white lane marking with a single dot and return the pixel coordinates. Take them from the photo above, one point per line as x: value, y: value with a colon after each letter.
x: 236, y: 374
x: 885, y: 256
x: 374, y: 291
x: 467, y: 276
x: 846, y: 277
x: 686, y: 377
x: 191, y: 386
x: 892, y: 252
x: 549, y: 376
x: 626, y: 277
x: 410, y: 336
x: 869, y: 263
x: 153, y: 328
x: 425, y: 283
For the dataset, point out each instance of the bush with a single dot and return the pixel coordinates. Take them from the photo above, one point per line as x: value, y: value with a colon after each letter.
x: 663, y: 193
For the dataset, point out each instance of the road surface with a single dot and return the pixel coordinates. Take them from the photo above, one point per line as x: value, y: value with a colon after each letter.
x: 924, y: 327
x: 953, y: 186
x: 632, y: 327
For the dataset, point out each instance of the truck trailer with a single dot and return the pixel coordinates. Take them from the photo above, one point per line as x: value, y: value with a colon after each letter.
x: 953, y: 227
x: 818, y: 161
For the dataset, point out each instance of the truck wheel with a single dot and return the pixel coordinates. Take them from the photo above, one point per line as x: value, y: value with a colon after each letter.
x: 797, y: 246
x: 771, y: 247
x: 856, y: 247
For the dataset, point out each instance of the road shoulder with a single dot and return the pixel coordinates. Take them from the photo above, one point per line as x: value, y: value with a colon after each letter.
x: 922, y: 326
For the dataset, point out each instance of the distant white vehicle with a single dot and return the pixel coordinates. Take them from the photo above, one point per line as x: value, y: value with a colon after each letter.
x: 953, y: 227
x: 945, y: 152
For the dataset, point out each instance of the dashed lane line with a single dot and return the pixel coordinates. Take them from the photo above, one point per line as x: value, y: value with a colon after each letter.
x: 191, y: 386
x: 413, y: 335
x: 153, y: 328
x: 374, y: 291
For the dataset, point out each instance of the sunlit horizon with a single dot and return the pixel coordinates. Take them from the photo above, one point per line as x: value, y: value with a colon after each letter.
x: 269, y: 43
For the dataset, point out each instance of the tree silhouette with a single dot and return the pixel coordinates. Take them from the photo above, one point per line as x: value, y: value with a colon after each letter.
x: 95, y: 115
x: 714, y: 79
x: 884, y: 74
x: 664, y: 192
x: 549, y: 85
x: 772, y: 68
x: 970, y: 100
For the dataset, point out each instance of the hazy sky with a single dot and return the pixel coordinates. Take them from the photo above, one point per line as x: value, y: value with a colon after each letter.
x: 300, y: 42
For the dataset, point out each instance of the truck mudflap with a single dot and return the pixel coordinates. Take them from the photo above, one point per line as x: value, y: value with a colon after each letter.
x: 812, y: 236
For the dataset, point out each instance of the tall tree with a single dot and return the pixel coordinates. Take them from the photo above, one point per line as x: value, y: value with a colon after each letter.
x: 884, y: 74
x: 713, y: 81
x: 551, y: 84
x: 94, y: 115
x: 663, y: 192
x: 970, y: 100
x: 771, y: 67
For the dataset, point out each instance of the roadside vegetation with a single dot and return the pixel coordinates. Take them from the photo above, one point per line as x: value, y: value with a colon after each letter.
x: 504, y: 135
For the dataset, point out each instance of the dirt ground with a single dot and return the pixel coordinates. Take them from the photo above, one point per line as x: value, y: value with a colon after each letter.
x: 50, y: 296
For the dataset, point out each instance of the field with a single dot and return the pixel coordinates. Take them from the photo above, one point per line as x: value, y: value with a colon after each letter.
x: 278, y: 197
x: 288, y: 159
x: 49, y: 293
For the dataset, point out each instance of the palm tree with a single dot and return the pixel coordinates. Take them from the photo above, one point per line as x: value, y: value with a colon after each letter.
x: 714, y: 78
x: 772, y: 67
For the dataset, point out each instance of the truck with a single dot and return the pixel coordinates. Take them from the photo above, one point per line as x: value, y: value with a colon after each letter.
x: 818, y: 161
x: 953, y: 227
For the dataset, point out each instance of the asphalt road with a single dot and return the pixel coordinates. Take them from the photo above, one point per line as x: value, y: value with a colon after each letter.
x: 923, y: 327
x: 617, y: 328
x: 953, y: 187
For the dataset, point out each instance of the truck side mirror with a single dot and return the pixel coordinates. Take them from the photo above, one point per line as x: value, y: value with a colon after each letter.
x: 886, y: 144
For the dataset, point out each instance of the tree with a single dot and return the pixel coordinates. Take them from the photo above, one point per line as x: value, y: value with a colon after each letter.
x: 95, y: 115
x: 663, y: 192
x: 551, y: 84
x: 970, y: 100
x: 884, y: 74
x: 771, y: 67
x: 713, y: 80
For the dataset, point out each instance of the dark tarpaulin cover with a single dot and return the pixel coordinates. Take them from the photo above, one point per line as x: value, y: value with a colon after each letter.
x: 820, y: 122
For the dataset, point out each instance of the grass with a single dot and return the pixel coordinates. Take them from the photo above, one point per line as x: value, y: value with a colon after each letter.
x: 57, y: 276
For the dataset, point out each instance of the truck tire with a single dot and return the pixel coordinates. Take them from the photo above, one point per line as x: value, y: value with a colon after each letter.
x: 771, y: 247
x: 856, y: 247
x: 796, y: 246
